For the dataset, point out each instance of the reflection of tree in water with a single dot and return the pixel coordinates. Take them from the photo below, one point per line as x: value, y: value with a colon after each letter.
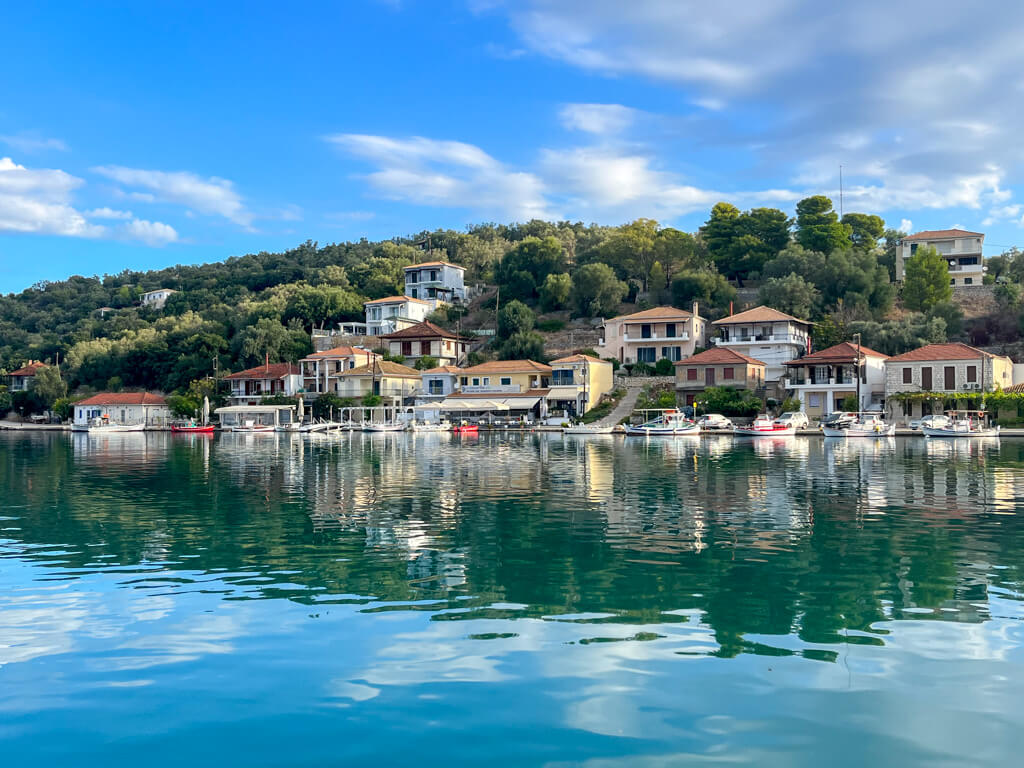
x: 813, y: 542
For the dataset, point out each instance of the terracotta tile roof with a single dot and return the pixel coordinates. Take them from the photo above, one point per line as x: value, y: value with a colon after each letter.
x: 657, y: 313
x: 580, y: 359
x: 28, y: 370
x: 434, y: 264
x: 272, y: 371
x: 1016, y: 389
x: 940, y: 352
x: 760, y: 315
x: 339, y: 352
x: 123, y: 398
x: 423, y: 330
x: 396, y: 300
x: 717, y: 356
x: 383, y: 368
x: 942, y: 234
x: 445, y: 369
x: 500, y: 395
x: 508, y: 366
x: 844, y: 352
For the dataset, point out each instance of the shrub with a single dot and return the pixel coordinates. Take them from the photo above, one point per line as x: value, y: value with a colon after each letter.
x: 550, y: 326
x: 664, y: 367
x: 426, y: 362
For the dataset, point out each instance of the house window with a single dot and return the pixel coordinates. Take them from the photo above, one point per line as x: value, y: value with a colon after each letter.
x: 463, y: 381
x: 406, y: 348
x: 645, y: 331
x: 691, y: 374
x: 949, y: 374
x: 814, y: 401
x: 968, y: 281
x: 476, y: 382
x: 972, y: 373
x: 410, y: 277
x: 926, y: 379
x: 424, y: 347
x: 506, y: 381
x: 913, y: 248
x: 908, y: 375
x: 670, y: 330
x: 562, y: 378
x: 435, y: 386
x: 433, y: 275
x: 646, y: 354
x: 728, y: 373
x: 414, y: 293
x: 487, y: 381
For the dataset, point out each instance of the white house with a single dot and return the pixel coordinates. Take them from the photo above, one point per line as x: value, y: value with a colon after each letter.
x: 961, y: 249
x: 767, y: 335
x: 23, y: 378
x: 321, y: 370
x: 395, y: 313
x: 123, y: 408
x: 436, y: 280
x: 439, y: 382
x: 822, y: 380
x: 250, y: 386
x: 156, y: 299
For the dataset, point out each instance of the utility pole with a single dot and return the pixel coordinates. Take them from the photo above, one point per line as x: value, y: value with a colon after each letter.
x: 840, y: 191
x: 857, y: 372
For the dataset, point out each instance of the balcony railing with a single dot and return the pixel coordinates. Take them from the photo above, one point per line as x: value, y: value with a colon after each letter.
x: 776, y: 338
x: 812, y: 381
x: 503, y: 388
x: 684, y: 336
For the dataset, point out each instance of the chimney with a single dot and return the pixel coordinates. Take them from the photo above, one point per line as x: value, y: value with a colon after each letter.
x: 730, y: 309
x: 695, y: 309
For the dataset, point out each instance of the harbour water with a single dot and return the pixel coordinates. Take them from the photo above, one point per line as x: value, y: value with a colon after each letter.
x: 521, y: 599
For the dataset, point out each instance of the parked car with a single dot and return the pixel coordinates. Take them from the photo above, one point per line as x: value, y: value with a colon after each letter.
x: 796, y: 419
x: 713, y: 421
x: 931, y: 420
x: 838, y: 419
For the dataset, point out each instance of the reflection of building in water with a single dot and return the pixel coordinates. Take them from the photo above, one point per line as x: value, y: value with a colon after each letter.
x: 593, y: 470
x: 121, y: 449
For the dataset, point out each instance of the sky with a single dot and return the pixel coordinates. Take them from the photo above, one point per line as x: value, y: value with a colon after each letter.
x: 142, y: 135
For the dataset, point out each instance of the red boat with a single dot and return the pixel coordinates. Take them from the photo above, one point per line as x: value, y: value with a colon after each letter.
x: 465, y: 429
x: 192, y: 429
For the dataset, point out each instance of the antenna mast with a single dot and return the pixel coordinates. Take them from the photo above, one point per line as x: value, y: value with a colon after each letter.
x: 840, y: 191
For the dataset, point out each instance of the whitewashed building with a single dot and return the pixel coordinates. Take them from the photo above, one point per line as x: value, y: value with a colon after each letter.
x: 128, y: 408
x: 157, y: 298
x: 823, y: 379
x: 250, y: 386
x: 395, y: 313
x: 767, y: 335
x: 961, y: 249
x: 436, y: 280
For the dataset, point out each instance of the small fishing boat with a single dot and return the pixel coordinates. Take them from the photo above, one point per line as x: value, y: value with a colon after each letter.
x: 252, y: 428
x: 763, y: 426
x: 865, y: 425
x: 587, y: 429
x: 963, y: 424
x: 192, y: 429
x: 429, y: 427
x: 465, y: 429
x: 669, y: 423
x: 383, y: 426
x: 98, y: 427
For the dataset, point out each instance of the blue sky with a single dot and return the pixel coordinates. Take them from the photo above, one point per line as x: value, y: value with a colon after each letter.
x: 142, y: 135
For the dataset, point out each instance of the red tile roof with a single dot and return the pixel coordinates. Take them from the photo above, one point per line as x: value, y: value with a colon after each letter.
x: 339, y: 352
x: 396, y: 300
x: 941, y: 352
x: 272, y: 371
x: 844, y: 352
x: 382, y: 368
x: 423, y: 330
x: 445, y: 369
x: 942, y: 234
x: 580, y: 359
x: 509, y: 366
x: 123, y: 398
x: 717, y: 356
x: 434, y: 264
x: 760, y: 315
x: 28, y: 370
x: 657, y: 313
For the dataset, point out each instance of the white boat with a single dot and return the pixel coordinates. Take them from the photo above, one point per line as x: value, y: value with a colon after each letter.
x: 314, y: 426
x: 587, y: 429
x: 384, y: 426
x: 764, y: 426
x: 107, y: 428
x: 252, y: 428
x: 866, y: 425
x: 963, y: 424
x: 429, y: 427
x: 669, y: 423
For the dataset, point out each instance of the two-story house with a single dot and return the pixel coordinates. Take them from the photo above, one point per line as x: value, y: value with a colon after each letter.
x: 717, y: 367
x: 396, y: 383
x: 502, y: 388
x: 394, y: 313
x: 436, y: 280
x: 765, y: 334
x: 439, y: 382
x: 945, y: 369
x: 426, y: 339
x: 961, y: 249
x: 157, y: 298
x: 577, y: 383
x: 320, y: 370
x: 23, y: 378
x: 822, y: 380
x: 250, y: 386
x: 650, y: 335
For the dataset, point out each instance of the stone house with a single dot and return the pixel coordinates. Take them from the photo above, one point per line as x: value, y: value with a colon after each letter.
x: 717, y: 367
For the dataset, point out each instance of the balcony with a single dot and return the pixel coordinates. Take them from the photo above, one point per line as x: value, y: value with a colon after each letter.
x: 775, y: 338
x: 810, y: 381
x: 508, y: 389
x: 631, y: 339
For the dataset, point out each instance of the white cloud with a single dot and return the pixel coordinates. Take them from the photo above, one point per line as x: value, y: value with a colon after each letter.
x: 446, y: 174
x: 149, y: 232
x: 39, y: 201
x: 212, y: 196
x: 906, y: 225
x: 108, y: 213
x: 600, y: 119
x: 29, y: 143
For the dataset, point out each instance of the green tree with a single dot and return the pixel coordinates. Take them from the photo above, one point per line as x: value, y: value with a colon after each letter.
x: 850, y: 403
x: 425, y: 363
x: 790, y: 294
x: 926, y: 280
x: 664, y: 367
x: 523, y: 346
x: 534, y: 257
x: 658, y: 285
x: 729, y: 401
x: 893, y: 337
x: 48, y: 387
x: 371, y: 400
x: 710, y: 289
x: 865, y: 230
x: 720, y: 230
x: 329, y: 405
x: 818, y: 227
x: 596, y: 291
x: 554, y: 293
x: 515, y: 317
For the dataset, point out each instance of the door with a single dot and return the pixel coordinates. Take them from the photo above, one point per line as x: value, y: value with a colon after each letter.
x: 926, y: 379
x: 709, y: 377
x: 950, y: 374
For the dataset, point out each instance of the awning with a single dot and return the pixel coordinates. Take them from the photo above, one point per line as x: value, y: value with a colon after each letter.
x: 471, y: 404
x: 564, y: 393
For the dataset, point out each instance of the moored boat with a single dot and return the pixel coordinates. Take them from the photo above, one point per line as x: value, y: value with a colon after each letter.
x: 465, y: 429
x: 192, y: 428
x: 865, y: 425
x: 669, y: 423
x: 383, y: 426
x: 107, y: 428
x: 764, y: 426
x: 969, y: 424
x: 587, y: 429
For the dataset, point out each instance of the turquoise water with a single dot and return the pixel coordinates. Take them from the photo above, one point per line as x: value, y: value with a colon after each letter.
x: 510, y: 599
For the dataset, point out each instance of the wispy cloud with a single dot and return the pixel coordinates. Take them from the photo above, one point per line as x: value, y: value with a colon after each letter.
x: 27, y: 143
x: 150, y: 232
x: 599, y: 119
x: 211, y: 196
x: 108, y: 213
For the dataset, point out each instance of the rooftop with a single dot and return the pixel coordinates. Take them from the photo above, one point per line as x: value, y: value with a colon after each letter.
x: 123, y: 398
x: 941, y: 352
x: 580, y: 359
x: 760, y: 315
x: 844, y: 352
x: 272, y: 371
x: 396, y: 300
x: 29, y: 369
x: 719, y: 355
x: 339, y: 352
x: 657, y: 313
x: 425, y: 329
x: 445, y: 369
x: 383, y: 368
x: 434, y: 264
x: 942, y: 234
x: 508, y: 366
